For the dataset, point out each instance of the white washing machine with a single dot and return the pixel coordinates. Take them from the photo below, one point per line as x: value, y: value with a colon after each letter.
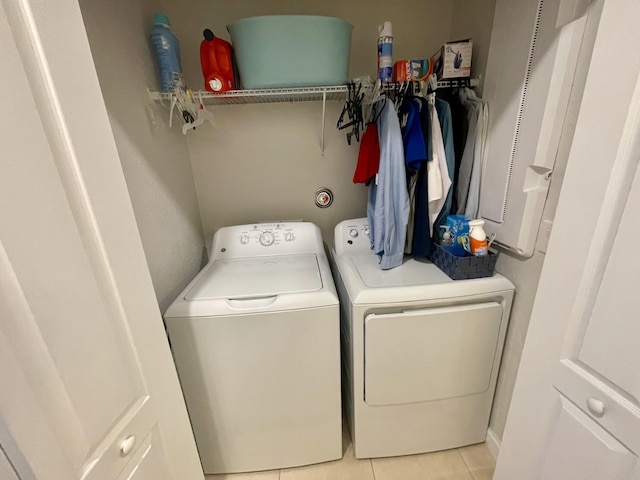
x: 420, y: 352
x: 256, y: 342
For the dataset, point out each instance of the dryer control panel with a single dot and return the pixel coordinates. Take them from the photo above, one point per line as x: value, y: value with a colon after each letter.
x: 260, y: 239
x: 352, y: 235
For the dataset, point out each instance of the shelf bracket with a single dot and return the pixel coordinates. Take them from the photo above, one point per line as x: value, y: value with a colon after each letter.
x: 324, y: 111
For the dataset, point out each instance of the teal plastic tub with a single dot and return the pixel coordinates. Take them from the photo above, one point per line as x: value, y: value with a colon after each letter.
x: 291, y: 51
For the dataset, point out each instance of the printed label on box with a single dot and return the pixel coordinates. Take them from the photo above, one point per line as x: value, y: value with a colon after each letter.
x: 453, y: 60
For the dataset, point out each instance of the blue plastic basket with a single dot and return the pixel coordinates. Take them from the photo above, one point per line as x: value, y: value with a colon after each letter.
x: 463, y: 268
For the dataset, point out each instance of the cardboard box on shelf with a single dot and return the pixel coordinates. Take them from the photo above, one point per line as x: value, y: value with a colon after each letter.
x: 453, y: 60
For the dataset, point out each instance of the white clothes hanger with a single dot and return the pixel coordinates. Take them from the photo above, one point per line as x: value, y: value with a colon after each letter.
x: 182, y: 97
x: 433, y: 82
x: 370, y: 100
x: 202, y: 116
x: 430, y: 84
x: 375, y: 93
x: 403, y: 89
x: 174, y: 100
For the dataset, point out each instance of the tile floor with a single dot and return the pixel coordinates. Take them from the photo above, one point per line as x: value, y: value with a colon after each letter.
x: 468, y: 463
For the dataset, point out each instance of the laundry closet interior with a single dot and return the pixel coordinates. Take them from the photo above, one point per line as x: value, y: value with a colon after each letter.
x: 263, y: 162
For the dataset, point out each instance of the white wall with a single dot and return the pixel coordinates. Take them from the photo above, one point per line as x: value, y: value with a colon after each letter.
x: 474, y: 19
x: 263, y: 162
x: 154, y: 158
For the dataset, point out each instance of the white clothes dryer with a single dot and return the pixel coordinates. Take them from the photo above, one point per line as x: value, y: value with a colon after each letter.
x: 420, y: 352
x: 256, y: 342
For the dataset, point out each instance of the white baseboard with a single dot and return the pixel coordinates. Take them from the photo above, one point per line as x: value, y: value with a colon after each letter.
x: 493, y: 442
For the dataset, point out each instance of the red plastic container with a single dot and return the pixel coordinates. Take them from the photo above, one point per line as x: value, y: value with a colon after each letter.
x: 216, y: 58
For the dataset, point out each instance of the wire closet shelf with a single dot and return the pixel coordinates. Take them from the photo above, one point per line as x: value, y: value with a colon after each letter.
x: 298, y: 94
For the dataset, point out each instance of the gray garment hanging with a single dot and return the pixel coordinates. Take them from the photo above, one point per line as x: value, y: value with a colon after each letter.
x: 466, y: 163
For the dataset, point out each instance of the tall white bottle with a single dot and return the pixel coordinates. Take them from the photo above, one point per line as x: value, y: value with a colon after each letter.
x: 478, y: 238
x: 385, y: 51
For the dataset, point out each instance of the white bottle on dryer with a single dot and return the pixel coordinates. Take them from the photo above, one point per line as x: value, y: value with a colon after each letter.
x: 478, y: 238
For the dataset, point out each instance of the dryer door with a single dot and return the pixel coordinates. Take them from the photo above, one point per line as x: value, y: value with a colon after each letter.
x: 431, y: 354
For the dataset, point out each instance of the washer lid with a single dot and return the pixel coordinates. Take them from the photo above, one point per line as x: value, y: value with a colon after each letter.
x: 257, y: 277
x: 411, y: 272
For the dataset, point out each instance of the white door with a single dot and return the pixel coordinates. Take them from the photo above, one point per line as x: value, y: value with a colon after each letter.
x: 88, y: 387
x: 575, y: 413
x: 7, y: 472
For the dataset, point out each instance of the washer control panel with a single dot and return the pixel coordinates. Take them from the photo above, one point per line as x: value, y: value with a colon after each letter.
x: 352, y: 235
x: 267, y: 234
x: 266, y: 239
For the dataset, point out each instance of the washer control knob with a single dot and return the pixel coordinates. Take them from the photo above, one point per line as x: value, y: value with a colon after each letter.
x: 288, y: 237
x: 365, y: 230
x: 353, y: 233
x: 244, y: 239
x: 267, y: 239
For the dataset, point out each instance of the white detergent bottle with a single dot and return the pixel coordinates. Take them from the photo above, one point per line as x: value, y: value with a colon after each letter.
x: 478, y: 238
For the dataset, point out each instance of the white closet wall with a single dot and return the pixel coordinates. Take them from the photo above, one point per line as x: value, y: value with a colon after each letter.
x: 473, y: 19
x: 263, y: 162
x: 154, y: 158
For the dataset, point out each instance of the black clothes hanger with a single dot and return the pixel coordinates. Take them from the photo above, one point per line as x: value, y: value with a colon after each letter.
x: 377, y: 109
x: 402, y: 91
x: 352, y: 109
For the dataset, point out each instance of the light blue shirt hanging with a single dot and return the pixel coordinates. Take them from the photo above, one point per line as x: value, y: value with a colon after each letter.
x: 388, y: 205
